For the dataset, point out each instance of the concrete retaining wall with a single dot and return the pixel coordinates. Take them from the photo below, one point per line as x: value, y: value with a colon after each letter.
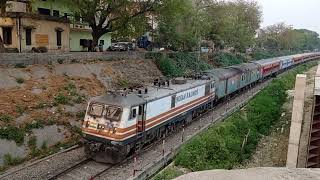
x: 296, y: 121
x: 7, y: 59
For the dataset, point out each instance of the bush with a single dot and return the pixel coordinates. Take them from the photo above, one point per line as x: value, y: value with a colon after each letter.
x: 5, y: 118
x: 11, y: 161
x: 80, y: 114
x: 178, y: 64
x: 12, y: 133
x: 228, y: 59
x: 19, y: 80
x: 221, y: 146
x: 61, y: 99
x: 37, y: 124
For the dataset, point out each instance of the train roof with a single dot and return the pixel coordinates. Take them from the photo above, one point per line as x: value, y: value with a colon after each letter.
x: 222, y: 73
x: 245, y: 67
x: 268, y: 61
x: 154, y: 93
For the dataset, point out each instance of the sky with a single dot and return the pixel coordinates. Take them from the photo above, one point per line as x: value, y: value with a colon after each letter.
x: 301, y: 14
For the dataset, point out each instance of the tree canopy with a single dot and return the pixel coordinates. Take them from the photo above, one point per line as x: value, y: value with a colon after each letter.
x: 283, y: 37
x: 105, y: 16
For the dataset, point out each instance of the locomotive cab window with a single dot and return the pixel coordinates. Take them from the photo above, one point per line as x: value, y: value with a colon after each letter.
x: 212, y: 85
x: 133, y: 113
x: 113, y: 113
x: 96, y: 110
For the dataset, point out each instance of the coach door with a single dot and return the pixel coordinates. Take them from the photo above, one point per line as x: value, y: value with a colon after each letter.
x: 141, y: 119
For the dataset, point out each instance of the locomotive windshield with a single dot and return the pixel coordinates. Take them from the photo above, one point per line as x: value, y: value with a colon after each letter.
x: 96, y: 109
x: 113, y: 113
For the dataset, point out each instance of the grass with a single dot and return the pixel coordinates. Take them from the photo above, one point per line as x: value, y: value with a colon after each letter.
x: 9, y: 160
x: 21, y: 109
x: 170, y: 172
x: 68, y: 95
x: 228, y: 144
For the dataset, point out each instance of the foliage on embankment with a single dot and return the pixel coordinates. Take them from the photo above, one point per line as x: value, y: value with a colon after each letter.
x: 229, y: 143
x: 179, y: 64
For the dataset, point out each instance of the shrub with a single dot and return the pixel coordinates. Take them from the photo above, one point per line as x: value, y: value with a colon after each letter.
x: 5, y: 118
x: 80, y: 114
x: 61, y: 99
x: 36, y: 124
x: 177, y: 64
x: 79, y: 99
x: 228, y: 59
x: 19, y: 80
x: 11, y: 161
x: 12, y: 133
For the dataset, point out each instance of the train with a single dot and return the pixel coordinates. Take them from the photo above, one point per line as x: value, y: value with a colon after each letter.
x: 120, y: 122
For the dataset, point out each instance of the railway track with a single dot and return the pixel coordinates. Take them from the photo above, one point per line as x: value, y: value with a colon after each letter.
x: 85, y: 169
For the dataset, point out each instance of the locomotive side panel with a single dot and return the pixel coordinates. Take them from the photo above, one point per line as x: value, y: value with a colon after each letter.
x: 184, y: 101
x: 157, y: 107
x: 189, y: 95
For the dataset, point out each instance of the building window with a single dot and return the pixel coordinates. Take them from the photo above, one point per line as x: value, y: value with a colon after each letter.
x: 28, y: 37
x: 56, y: 13
x: 7, y: 35
x: 44, y: 11
x: 84, y: 42
x: 59, y: 38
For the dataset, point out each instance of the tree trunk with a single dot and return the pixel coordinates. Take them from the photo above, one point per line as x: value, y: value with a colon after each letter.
x: 95, y: 39
x: 2, y: 49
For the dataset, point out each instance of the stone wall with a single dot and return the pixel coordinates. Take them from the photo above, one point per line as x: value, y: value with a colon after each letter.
x: 11, y: 59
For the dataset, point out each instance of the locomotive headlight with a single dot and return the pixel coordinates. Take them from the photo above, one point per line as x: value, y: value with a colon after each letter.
x: 87, y: 124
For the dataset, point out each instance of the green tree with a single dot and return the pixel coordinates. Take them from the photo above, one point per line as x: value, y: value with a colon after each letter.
x: 234, y: 23
x: 106, y: 16
x: 281, y: 37
x: 180, y: 24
